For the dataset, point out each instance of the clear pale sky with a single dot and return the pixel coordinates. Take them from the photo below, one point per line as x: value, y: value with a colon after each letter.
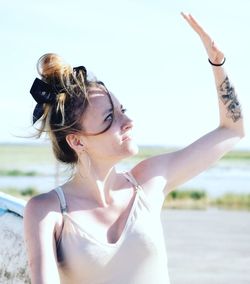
x: 144, y: 52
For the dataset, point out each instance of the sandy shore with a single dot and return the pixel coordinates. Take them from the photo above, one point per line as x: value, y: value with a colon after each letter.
x: 210, y: 246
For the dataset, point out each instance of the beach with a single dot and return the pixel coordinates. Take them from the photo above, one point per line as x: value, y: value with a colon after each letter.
x: 207, y: 246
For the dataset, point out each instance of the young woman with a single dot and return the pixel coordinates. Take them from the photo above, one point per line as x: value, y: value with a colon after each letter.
x: 101, y: 226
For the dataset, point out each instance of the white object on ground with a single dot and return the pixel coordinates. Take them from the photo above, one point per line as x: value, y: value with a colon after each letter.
x: 13, y: 259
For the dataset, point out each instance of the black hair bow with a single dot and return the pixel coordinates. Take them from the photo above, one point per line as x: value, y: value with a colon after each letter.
x: 42, y: 93
x: 81, y: 68
x: 45, y: 93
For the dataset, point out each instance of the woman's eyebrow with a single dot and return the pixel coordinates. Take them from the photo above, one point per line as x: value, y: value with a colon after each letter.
x: 108, y: 111
x: 111, y: 109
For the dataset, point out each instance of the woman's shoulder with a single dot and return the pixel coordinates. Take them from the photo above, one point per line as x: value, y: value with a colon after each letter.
x: 43, y: 206
x: 150, y: 178
x: 146, y: 173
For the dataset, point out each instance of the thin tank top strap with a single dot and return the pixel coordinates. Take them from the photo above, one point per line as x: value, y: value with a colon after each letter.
x: 131, y: 178
x: 61, y: 197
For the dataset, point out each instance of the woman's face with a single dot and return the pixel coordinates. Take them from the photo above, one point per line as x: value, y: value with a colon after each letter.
x: 115, y: 143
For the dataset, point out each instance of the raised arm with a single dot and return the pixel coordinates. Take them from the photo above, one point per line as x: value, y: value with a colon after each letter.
x: 229, y: 106
x: 177, y: 167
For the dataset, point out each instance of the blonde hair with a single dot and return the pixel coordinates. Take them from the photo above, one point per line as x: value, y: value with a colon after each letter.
x: 64, y: 115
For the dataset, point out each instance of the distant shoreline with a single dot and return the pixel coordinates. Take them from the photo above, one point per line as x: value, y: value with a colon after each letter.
x: 31, y: 162
x: 183, y: 200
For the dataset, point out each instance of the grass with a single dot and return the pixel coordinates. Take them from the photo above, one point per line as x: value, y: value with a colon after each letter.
x: 198, y: 199
x: 148, y: 151
x: 186, y: 199
x: 19, y: 156
x: 24, y: 193
x: 233, y: 201
x: 237, y: 155
x: 16, y: 172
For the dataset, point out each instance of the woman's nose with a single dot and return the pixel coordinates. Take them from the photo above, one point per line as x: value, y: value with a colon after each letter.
x: 127, y: 123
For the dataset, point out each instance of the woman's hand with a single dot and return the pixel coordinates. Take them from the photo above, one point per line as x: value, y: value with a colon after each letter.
x: 214, y: 54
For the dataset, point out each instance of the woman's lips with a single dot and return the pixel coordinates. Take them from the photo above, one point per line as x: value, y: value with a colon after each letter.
x: 126, y: 137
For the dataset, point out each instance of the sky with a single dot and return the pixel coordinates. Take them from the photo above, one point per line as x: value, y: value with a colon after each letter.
x: 142, y: 50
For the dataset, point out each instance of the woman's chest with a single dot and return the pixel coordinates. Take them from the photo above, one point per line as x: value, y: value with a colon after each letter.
x: 105, y: 223
x: 85, y: 255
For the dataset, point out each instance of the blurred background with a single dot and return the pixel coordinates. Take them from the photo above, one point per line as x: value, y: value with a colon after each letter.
x: 156, y: 65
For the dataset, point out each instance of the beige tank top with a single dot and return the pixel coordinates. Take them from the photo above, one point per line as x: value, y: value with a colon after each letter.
x: 138, y: 257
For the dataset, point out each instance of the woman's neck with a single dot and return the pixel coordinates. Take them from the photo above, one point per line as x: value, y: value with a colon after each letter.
x: 94, y: 182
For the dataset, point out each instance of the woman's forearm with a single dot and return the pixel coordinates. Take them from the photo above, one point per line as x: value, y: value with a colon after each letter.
x: 229, y: 106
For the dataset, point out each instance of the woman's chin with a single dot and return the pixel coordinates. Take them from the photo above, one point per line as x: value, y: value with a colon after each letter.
x: 132, y: 149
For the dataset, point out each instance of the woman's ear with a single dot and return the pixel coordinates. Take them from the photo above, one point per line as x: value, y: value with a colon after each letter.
x: 75, y: 141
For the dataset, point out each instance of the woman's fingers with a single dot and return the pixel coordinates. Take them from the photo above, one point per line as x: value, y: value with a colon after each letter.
x: 194, y: 24
x: 213, y: 52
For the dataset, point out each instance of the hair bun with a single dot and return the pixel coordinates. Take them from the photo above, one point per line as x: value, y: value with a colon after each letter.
x: 51, y: 66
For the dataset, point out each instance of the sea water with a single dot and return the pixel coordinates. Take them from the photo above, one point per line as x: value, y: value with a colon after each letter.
x: 225, y: 177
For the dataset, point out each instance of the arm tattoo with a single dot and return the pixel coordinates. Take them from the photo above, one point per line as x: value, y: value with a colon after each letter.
x: 228, y: 97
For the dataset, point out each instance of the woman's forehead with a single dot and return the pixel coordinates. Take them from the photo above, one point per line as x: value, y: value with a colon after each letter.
x: 100, y: 99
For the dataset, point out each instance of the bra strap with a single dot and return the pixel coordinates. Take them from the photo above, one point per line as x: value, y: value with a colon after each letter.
x: 131, y: 178
x: 62, y: 200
